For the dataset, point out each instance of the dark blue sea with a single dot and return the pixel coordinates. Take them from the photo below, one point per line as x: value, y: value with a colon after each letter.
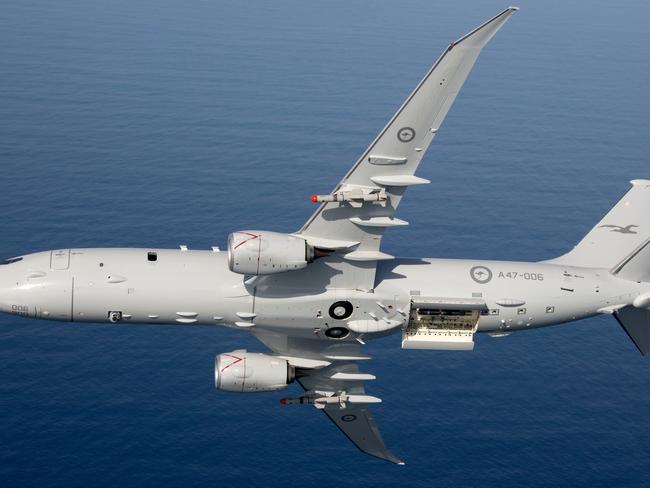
x: 157, y: 123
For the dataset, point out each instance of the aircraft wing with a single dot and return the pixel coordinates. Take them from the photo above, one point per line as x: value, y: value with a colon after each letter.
x: 355, y: 420
x: 352, y: 219
x: 346, y: 231
x: 330, y: 371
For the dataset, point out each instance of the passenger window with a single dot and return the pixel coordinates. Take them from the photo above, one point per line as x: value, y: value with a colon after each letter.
x: 10, y: 260
x: 152, y: 256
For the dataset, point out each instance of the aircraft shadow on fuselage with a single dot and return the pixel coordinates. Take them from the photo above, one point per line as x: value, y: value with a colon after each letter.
x: 386, y: 269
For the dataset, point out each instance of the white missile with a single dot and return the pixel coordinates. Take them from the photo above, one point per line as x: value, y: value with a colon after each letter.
x: 321, y: 402
x: 354, y: 195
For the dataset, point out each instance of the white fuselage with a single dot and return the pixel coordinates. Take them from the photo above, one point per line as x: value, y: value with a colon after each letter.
x: 197, y: 287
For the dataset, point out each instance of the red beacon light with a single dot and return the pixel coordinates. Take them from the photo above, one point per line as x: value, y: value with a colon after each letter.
x: 314, y: 198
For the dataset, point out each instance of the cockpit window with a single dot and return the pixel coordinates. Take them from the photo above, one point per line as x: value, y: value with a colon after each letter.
x: 10, y: 261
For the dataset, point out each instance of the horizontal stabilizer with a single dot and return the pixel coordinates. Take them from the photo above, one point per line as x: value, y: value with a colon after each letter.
x: 636, y: 323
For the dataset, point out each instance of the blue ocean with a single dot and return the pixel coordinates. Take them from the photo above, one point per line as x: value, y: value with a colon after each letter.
x: 154, y: 123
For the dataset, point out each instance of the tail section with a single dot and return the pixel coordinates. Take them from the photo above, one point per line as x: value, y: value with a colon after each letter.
x: 620, y: 242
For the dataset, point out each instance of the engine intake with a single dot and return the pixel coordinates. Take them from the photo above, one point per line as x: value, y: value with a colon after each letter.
x: 254, y: 252
x: 246, y: 372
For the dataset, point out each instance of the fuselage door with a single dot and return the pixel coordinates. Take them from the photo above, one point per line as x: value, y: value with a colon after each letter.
x: 442, y: 323
x: 60, y: 259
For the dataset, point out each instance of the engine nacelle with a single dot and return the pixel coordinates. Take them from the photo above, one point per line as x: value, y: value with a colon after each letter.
x: 254, y: 252
x: 246, y: 372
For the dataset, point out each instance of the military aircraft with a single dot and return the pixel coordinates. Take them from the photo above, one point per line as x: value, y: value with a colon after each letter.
x: 315, y: 296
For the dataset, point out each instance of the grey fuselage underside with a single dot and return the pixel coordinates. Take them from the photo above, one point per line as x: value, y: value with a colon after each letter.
x: 197, y: 287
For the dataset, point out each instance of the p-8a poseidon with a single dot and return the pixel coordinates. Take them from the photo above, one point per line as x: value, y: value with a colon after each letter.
x: 316, y: 296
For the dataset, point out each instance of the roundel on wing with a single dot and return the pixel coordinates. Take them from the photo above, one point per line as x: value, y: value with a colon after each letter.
x: 406, y: 134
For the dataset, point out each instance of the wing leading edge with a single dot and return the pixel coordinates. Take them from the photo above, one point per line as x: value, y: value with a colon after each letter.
x: 353, y: 217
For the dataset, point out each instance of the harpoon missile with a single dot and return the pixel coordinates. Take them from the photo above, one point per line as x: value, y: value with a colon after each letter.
x: 354, y: 195
x: 323, y: 401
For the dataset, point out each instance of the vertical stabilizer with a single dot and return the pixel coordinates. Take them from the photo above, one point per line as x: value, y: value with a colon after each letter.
x: 620, y: 241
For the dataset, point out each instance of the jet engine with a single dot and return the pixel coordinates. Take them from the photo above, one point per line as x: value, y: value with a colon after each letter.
x: 254, y: 252
x: 246, y: 372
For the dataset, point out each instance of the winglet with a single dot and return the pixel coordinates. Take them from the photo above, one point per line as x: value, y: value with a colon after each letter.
x: 501, y: 16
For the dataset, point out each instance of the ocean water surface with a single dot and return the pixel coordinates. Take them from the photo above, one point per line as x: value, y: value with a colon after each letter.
x: 157, y: 123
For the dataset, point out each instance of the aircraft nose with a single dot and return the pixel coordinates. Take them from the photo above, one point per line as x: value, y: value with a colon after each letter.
x: 29, y: 287
x: 7, y: 283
